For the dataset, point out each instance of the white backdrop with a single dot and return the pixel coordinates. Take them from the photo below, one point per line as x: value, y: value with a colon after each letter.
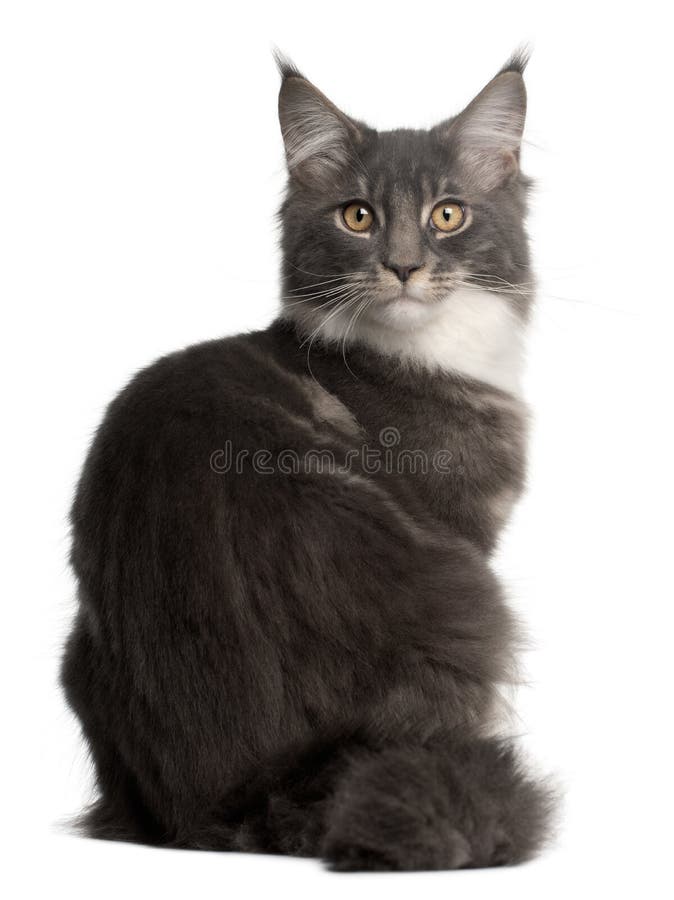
x: 140, y: 171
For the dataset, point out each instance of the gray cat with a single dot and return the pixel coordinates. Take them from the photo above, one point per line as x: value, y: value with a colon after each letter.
x: 289, y: 637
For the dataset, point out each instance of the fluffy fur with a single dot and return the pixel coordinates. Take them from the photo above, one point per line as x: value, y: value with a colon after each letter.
x: 476, y: 335
x: 307, y: 660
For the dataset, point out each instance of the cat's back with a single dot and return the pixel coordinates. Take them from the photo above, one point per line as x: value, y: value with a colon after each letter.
x: 201, y: 383
x: 199, y: 413
x: 216, y: 389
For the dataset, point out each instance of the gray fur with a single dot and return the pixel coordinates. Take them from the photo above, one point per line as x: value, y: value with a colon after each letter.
x: 472, y: 157
x: 308, y: 662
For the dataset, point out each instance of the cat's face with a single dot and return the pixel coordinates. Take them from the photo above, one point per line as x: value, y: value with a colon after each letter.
x: 382, y: 229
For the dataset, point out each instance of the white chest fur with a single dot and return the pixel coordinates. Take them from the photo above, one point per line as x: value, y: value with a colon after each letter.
x: 474, y: 333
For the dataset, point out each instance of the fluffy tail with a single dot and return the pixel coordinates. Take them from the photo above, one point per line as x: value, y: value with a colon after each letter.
x: 446, y: 803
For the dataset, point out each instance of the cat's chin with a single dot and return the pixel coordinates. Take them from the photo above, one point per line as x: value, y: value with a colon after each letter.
x: 405, y: 311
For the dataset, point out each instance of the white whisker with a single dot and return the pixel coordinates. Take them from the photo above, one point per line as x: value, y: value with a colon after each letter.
x: 309, y: 287
x: 342, y: 304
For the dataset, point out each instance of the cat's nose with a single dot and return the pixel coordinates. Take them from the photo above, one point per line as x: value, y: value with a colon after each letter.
x: 403, y: 272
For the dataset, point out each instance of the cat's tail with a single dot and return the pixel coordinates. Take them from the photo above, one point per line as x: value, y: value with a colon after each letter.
x: 444, y: 803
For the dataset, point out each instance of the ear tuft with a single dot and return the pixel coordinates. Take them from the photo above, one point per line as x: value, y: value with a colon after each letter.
x: 518, y: 61
x: 285, y: 65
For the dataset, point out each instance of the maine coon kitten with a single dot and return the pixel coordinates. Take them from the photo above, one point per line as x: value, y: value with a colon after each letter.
x: 289, y: 638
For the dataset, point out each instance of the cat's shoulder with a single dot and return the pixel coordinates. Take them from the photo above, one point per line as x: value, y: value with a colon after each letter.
x: 219, y: 389
x: 184, y: 384
x: 170, y: 414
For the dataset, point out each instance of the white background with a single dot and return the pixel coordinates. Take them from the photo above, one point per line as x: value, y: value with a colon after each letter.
x: 140, y: 171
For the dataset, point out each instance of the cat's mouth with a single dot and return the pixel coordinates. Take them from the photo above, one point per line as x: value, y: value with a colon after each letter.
x: 416, y: 295
x: 409, y: 306
x: 418, y: 291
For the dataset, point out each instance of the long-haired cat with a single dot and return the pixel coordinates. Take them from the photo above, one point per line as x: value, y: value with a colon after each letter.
x: 289, y: 638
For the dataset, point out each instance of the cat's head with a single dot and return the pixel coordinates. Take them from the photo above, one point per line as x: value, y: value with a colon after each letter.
x: 394, y: 224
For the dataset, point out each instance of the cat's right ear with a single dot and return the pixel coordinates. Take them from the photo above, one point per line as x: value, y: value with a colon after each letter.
x: 320, y: 140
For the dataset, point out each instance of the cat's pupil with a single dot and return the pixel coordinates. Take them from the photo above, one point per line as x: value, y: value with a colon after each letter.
x: 447, y: 214
x: 360, y: 215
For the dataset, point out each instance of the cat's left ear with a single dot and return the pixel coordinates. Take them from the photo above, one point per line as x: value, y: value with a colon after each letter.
x: 485, y: 138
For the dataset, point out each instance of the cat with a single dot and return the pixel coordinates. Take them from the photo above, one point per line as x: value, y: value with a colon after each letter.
x: 289, y: 638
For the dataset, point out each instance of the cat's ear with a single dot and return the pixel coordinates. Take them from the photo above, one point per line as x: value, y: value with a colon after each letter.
x: 320, y: 140
x: 485, y: 138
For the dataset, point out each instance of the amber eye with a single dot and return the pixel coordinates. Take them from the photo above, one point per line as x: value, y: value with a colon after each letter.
x: 358, y: 217
x: 448, y: 216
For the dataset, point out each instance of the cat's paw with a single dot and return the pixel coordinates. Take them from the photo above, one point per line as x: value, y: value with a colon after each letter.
x: 435, y: 807
x: 389, y: 814
x: 414, y: 851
